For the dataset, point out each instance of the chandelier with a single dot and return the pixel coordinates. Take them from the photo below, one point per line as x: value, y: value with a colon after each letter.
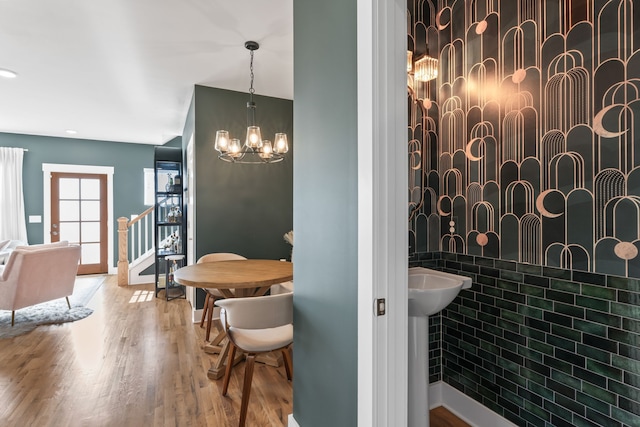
x: 254, y: 149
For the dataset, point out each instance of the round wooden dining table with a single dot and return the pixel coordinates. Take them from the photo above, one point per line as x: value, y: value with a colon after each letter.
x: 237, y: 278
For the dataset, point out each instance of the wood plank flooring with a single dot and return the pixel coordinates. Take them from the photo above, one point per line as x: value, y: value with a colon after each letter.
x: 136, y: 361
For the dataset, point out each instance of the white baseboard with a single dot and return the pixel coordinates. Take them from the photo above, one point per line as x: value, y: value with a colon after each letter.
x: 464, y: 407
x: 291, y: 422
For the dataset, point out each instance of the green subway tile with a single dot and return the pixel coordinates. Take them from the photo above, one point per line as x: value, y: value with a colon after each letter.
x: 566, y: 286
x: 485, y: 280
x: 528, y: 311
x: 529, y: 353
x: 566, y: 332
x: 508, y: 365
x: 512, y: 397
x: 570, y: 404
x: 541, y: 347
x: 465, y: 311
x: 626, y: 364
x: 621, y: 389
x: 594, y: 353
x: 505, y: 265
x: 529, y: 269
x: 559, y: 296
x: 632, y: 298
x: 566, y: 379
x: 540, y: 303
x: 603, y: 318
x: 601, y: 419
x: 492, y: 291
x: 590, y: 327
x: 599, y: 393
x: 598, y: 292
x: 532, y: 376
x: 532, y: 333
x: 631, y: 338
x: 627, y: 418
x: 605, y: 370
x: 541, y: 389
x: 579, y: 421
x: 556, y: 273
x: 625, y: 310
x: 560, y: 342
x: 506, y: 305
x: 513, y: 317
x: 592, y: 303
x: 569, y: 310
x: 557, y: 410
x: 532, y: 419
x: 531, y: 290
x: 511, y: 278
x: 592, y: 402
x: 507, y: 284
x: 623, y: 283
x: 558, y: 364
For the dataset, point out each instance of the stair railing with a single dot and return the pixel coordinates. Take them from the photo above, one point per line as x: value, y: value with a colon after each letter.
x: 137, y: 242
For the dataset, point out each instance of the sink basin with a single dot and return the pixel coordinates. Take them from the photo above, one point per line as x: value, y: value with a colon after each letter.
x: 430, y: 290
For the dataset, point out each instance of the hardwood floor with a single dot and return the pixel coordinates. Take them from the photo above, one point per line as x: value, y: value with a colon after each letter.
x: 136, y: 361
x: 442, y: 417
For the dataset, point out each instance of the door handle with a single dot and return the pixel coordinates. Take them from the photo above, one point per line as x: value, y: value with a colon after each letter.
x: 55, y: 233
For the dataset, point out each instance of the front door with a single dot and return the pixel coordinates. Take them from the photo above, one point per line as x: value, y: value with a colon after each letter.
x: 79, y: 215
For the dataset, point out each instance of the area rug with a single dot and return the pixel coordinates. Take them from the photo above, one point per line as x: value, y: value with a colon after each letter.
x: 52, y: 312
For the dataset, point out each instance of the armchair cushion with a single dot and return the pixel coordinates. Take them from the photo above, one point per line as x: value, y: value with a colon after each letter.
x: 38, y: 274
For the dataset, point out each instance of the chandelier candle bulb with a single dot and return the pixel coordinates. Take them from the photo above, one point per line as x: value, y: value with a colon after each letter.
x: 254, y: 138
x: 267, y: 150
x: 222, y: 141
x: 235, y: 149
x: 281, y: 145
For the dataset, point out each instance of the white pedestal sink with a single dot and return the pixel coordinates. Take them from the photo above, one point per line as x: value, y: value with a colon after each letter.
x: 429, y: 292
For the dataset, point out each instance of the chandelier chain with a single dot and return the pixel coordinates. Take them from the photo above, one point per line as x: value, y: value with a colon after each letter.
x: 251, y: 89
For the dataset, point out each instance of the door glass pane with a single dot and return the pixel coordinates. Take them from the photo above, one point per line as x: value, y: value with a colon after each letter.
x: 90, y: 232
x: 91, y: 210
x: 90, y: 189
x: 70, y: 231
x: 69, y: 188
x: 91, y: 253
x: 69, y: 210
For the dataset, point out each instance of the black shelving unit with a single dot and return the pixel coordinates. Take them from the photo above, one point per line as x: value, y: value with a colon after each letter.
x: 170, y: 226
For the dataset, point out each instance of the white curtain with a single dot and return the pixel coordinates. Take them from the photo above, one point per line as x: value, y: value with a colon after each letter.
x: 12, y: 218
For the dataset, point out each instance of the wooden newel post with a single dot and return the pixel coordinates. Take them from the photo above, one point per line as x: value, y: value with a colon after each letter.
x: 123, y: 255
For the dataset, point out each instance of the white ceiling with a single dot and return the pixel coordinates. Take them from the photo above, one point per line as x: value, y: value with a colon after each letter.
x: 124, y: 70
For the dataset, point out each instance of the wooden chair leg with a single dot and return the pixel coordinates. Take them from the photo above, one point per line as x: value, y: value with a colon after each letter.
x: 206, y: 308
x: 212, y: 302
x: 68, y: 303
x: 246, y: 388
x: 286, y: 354
x: 227, y: 373
x: 13, y: 317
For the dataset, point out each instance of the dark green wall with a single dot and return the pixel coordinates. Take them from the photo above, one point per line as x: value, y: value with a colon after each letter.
x: 128, y: 161
x: 244, y: 209
x: 325, y: 214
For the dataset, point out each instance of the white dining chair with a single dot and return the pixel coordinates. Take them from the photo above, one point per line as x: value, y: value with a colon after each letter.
x: 213, y: 294
x: 256, y: 325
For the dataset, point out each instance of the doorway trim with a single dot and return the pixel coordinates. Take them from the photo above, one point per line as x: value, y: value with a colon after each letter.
x: 382, y: 213
x: 47, y: 169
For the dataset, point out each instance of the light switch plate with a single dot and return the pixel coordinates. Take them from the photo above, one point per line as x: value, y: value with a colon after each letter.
x: 35, y: 219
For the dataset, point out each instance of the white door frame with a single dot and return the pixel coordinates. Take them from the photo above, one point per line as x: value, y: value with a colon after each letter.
x: 382, y: 213
x: 47, y: 169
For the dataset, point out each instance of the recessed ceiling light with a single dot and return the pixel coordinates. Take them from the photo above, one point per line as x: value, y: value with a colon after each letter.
x: 8, y: 74
x: 71, y: 131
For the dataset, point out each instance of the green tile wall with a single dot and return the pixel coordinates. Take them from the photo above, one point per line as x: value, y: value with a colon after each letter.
x: 539, y: 346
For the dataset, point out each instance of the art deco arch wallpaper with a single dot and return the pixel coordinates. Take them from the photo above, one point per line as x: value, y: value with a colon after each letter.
x: 524, y: 147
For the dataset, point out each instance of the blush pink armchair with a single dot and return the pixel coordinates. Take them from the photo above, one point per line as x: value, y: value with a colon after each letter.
x: 38, y: 273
